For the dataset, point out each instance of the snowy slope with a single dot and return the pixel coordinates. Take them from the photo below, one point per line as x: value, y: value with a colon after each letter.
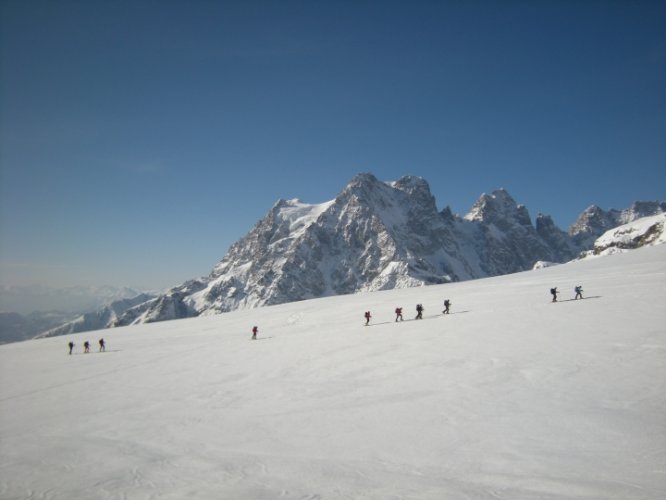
x: 509, y: 397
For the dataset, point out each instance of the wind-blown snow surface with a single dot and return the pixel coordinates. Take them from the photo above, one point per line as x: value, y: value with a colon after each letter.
x: 508, y: 397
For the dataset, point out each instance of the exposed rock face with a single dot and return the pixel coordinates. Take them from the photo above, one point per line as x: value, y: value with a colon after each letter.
x: 560, y: 243
x: 646, y: 231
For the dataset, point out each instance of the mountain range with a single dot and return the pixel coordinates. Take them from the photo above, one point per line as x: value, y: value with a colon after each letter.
x: 374, y: 235
x: 378, y: 235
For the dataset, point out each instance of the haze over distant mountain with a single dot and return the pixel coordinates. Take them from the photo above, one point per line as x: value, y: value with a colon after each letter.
x: 75, y: 299
x: 99, y: 319
x: 375, y: 236
x: 28, y: 311
x: 15, y: 326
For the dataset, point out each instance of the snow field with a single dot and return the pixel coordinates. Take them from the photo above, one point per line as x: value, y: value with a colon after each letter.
x: 510, y: 396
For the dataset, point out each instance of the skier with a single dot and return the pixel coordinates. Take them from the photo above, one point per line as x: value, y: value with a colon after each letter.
x: 398, y: 313
x: 86, y: 346
x: 102, y: 345
x: 255, y: 330
x: 579, y: 292
x: 554, y: 292
x: 419, y: 311
x: 367, y: 318
x: 71, y: 346
x: 447, y: 304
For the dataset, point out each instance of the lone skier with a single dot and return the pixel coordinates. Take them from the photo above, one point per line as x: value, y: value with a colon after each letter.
x: 554, y: 292
x: 255, y: 330
x: 398, y: 313
x: 579, y: 292
x: 447, y: 305
x: 102, y: 345
x: 419, y: 311
x: 71, y: 347
x: 367, y: 318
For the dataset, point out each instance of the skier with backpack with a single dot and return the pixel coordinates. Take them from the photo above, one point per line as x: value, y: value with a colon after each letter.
x: 554, y: 292
x: 71, y: 346
x: 86, y: 346
x: 102, y: 345
x: 398, y: 314
x: 579, y: 292
x: 255, y: 330
x: 447, y: 304
x: 367, y: 318
x: 419, y: 311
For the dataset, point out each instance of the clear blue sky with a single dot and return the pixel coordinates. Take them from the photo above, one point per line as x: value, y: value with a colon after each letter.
x: 140, y: 139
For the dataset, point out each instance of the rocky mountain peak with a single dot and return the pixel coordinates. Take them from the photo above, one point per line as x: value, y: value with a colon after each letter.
x: 361, y: 185
x: 418, y: 190
x: 499, y: 207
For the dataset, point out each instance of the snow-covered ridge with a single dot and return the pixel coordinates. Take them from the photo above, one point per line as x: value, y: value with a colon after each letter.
x: 300, y: 215
x: 102, y: 318
x: 647, y: 231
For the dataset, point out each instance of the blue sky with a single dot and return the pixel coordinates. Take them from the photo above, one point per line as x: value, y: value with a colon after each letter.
x: 140, y: 139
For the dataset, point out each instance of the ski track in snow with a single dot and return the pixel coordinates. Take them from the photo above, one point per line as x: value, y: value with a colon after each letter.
x: 517, y: 399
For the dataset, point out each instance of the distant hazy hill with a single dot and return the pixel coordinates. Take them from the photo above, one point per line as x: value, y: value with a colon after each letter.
x: 32, y: 310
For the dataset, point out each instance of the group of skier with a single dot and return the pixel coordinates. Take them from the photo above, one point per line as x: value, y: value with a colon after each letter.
x: 419, y: 312
x: 578, y: 289
x: 368, y: 316
x: 447, y: 308
x: 86, y: 346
